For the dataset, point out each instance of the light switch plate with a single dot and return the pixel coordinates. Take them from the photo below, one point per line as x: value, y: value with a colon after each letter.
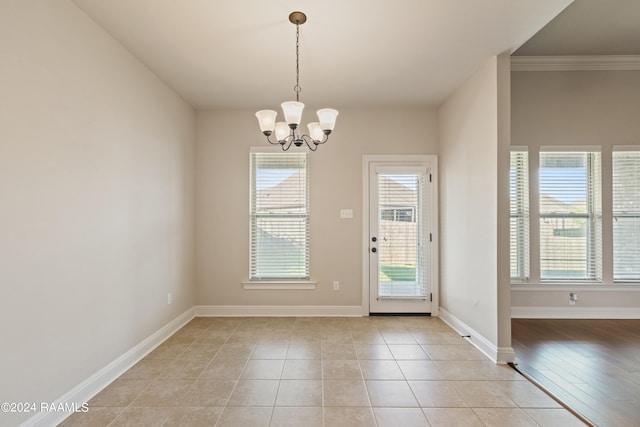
x: 346, y: 213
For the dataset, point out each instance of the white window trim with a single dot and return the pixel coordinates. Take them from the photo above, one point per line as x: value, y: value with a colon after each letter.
x: 276, y: 284
x: 625, y: 148
x: 279, y: 284
x: 575, y: 286
x: 570, y: 149
x: 591, y: 213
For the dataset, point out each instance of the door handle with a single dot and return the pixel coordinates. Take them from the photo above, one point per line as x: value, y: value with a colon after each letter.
x: 374, y: 239
x: 374, y: 250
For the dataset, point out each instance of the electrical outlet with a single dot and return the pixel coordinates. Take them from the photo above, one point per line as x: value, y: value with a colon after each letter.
x: 573, y: 297
x: 169, y: 299
x: 336, y: 285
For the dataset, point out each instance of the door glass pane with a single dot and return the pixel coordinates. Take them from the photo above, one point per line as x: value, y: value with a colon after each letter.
x: 401, y: 237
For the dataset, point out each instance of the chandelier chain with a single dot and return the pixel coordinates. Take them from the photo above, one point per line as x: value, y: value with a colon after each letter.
x: 287, y: 134
x: 297, y: 87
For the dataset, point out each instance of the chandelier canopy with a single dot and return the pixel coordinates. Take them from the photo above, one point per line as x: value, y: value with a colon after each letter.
x: 287, y: 133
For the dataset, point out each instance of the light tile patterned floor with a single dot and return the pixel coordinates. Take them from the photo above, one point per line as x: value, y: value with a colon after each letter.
x: 371, y: 371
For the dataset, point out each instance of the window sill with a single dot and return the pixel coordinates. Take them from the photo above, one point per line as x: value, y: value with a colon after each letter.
x: 583, y: 286
x: 279, y: 285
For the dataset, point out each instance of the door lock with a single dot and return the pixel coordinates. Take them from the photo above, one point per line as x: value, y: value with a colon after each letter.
x: 374, y: 250
x: 374, y: 239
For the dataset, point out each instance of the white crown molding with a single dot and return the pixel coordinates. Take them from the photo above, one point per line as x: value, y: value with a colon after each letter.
x: 87, y: 389
x: 576, y: 63
x: 575, y: 312
x: 500, y: 355
x: 278, y: 311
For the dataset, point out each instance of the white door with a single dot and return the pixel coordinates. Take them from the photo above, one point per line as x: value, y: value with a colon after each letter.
x: 401, y: 237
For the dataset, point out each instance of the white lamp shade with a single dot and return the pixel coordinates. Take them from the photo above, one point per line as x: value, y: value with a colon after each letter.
x: 327, y: 118
x: 292, y: 112
x: 315, y: 131
x: 282, y: 130
x: 267, y: 120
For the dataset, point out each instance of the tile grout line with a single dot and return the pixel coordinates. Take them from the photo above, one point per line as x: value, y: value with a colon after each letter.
x: 237, y: 381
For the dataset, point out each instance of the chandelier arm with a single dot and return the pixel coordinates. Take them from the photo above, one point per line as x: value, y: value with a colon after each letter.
x: 324, y: 139
x: 312, y: 143
x: 316, y: 142
x: 313, y: 146
x: 270, y: 141
x: 286, y: 143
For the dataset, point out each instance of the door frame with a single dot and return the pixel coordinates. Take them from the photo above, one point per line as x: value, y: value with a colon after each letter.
x: 432, y: 160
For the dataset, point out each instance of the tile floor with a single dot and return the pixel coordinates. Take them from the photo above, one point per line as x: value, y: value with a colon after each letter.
x: 371, y: 371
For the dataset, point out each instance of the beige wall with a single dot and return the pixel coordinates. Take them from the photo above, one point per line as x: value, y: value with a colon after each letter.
x: 576, y: 108
x: 222, y: 166
x: 473, y: 156
x: 96, y: 201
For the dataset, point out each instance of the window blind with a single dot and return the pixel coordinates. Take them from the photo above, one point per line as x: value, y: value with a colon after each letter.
x: 402, y: 247
x: 626, y: 215
x: 570, y: 215
x: 279, y: 247
x: 519, y: 214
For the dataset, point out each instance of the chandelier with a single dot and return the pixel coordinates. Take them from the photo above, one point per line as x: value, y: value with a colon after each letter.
x: 287, y: 134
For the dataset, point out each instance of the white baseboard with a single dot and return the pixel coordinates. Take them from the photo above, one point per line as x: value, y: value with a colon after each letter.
x: 278, y: 311
x: 575, y: 312
x: 500, y: 355
x: 86, y: 390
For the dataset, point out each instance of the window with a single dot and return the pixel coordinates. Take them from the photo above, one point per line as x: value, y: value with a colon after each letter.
x: 626, y: 214
x: 519, y: 214
x: 570, y: 215
x: 279, y: 247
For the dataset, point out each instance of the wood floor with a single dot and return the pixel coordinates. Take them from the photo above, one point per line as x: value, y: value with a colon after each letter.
x: 592, y: 366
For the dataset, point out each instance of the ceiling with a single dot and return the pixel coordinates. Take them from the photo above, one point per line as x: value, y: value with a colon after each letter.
x: 376, y: 53
x: 589, y: 27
